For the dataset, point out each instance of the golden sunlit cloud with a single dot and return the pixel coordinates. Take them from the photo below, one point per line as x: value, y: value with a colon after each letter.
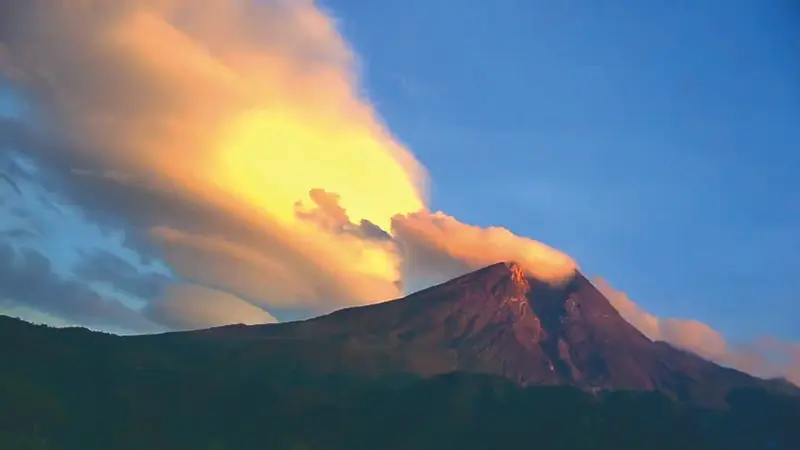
x: 430, y: 238
x: 703, y: 340
x: 192, y: 307
x: 248, y: 108
x: 684, y: 333
x: 244, y: 105
x: 271, y: 160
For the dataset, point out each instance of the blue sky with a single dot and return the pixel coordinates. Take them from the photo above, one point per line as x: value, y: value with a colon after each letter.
x: 656, y: 142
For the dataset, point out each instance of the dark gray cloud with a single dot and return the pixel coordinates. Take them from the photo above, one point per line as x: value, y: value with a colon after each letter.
x: 40, y: 218
x: 107, y: 267
x: 109, y: 215
x: 27, y: 278
x: 328, y: 214
x: 18, y: 234
x: 371, y: 231
x: 10, y: 181
x: 27, y: 159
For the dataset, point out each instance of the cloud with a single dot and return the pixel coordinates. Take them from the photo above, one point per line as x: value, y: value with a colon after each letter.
x: 27, y: 280
x: 438, y: 243
x: 766, y: 357
x: 214, y: 120
x: 328, y: 214
x: 186, y: 307
x: 108, y: 267
x: 11, y: 183
x: 231, y: 139
x: 266, y: 274
x: 253, y: 100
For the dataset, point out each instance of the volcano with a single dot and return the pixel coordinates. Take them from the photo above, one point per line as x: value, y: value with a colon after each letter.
x: 498, y: 321
x: 488, y: 359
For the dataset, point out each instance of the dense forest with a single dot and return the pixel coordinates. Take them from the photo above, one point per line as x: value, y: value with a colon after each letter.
x: 74, y: 389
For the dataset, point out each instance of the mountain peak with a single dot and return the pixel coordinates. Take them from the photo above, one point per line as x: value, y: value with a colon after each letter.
x: 517, y: 274
x: 518, y: 280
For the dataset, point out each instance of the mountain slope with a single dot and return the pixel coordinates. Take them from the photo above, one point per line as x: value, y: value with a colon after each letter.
x: 496, y: 321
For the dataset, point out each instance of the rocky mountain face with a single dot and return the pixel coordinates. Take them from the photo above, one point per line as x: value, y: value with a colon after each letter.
x: 498, y: 321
